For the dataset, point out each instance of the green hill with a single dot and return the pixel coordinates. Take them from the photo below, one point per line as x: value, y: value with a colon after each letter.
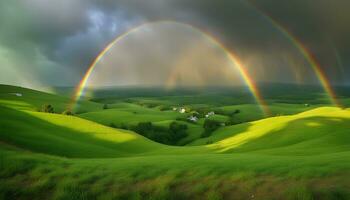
x: 322, y: 130
x: 27, y: 99
x: 129, y: 115
x: 67, y: 135
x: 54, y: 156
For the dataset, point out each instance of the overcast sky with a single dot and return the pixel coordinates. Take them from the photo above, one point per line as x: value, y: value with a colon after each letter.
x: 52, y: 43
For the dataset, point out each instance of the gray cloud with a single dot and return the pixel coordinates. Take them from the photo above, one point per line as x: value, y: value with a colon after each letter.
x: 53, y: 42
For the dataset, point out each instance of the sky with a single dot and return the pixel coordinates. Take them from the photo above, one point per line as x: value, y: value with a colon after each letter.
x: 53, y: 43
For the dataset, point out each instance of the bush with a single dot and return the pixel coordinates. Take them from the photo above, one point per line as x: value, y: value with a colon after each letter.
x: 124, y: 126
x: 196, y: 114
x: 143, y: 128
x: 177, y: 132
x: 47, y: 108
x: 209, y: 142
x: 210, y: 126
x: 67, y: 112
x: 151, y: 105
x: 171, y: 135
x: 219, y: 111
x: 105, y: 106
x: 233, y: 121
x: 164, y: 108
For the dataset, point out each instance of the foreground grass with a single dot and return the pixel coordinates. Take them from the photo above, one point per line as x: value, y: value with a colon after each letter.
x: 205, y: 176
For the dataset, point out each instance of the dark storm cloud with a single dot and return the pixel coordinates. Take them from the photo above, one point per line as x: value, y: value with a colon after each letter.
x: 62, y: 37
x: 321, y: 25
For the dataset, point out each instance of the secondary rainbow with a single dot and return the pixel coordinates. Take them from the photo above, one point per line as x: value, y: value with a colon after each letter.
x: 79, y: 90
x: 311, y: 59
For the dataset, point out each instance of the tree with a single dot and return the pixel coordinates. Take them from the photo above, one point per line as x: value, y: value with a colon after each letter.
x: 166, y: 135
x: 209, y: 142
x: 177, y: 132
x: 124, y: 126
x: 47, y: 108
x: 233, y: 113
x: 196, y: 114
x: 112, y: 125
x: 67, y: 112
x: 144, y: 128
x: 105, y: 106
x: 155, y: 133
x: 233, y: 121
x: 210, y: 126
x: 164, y: 107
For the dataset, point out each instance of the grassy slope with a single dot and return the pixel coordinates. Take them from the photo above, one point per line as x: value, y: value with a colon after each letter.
x: 251, y: 112
x: 131, y: 114
x: 70, y: 136
x: 141, y: 167
x: 67, y: 135
x: 322, y: 130
x: 194, y: 130
x: 33, y: 100
x: 310, y: 146
x: 289, y: 135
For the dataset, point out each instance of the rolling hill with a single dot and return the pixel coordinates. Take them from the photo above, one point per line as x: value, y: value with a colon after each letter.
x: 27, y: 99
x: 42, y: 155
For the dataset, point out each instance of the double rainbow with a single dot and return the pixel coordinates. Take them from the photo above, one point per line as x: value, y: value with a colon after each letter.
x: 79, y: 91
x: 308, y: 55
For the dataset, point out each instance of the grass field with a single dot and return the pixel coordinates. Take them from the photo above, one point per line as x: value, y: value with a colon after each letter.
x: 33, y: 100
x: 303, y: 153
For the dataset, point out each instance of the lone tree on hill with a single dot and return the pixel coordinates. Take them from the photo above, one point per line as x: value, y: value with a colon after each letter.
x: 47, y: 108
x: 209, y: 126
x: 67, y: 112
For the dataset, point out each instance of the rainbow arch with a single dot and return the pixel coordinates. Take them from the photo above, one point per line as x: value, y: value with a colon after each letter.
x: 79, y: 90
x: 308, y: 55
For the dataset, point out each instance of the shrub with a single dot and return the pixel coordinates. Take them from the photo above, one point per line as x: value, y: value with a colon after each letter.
x: 67, y: 112
x: 177, y: 132
x: 105, y: 106
x: 124, y: 126
x: 47, y: 108
x: 170, y: 135
x: 233, y: 113
x: 219, y: 111
x: 209, y: 142
x: 144, y: 127
x: 164, y: 108
x: 210, y: 126
x: 233, y: 121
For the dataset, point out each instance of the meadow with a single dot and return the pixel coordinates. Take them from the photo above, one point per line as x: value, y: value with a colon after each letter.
x: 300, y: 151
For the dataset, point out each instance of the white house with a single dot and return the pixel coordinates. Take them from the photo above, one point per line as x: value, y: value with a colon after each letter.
x: 182, y: 110
x: 210, y: 114
x: 17, y: 94
x: 193, y: 118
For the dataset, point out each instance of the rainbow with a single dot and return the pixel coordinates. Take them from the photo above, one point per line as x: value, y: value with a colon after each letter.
x: 79, y: 91
x: 338, y: 58
x: 308, y: 55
